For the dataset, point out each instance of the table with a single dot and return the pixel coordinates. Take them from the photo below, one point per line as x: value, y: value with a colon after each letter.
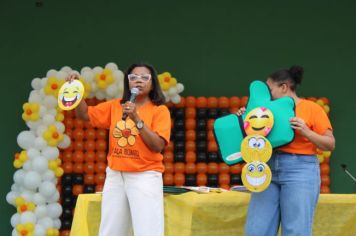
x: 203, y: 214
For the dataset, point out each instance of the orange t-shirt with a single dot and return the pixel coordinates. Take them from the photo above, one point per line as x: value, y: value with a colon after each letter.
x: 316, y: 119
x: 127, y: 151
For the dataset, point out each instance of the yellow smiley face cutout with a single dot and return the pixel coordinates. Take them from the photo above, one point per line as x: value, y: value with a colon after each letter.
x: 256, y: 148
x: 256, y: 176
x: 259, y: 121
x: 70, y: 95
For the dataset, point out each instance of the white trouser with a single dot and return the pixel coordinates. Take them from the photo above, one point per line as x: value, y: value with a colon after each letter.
x: 132, y: 198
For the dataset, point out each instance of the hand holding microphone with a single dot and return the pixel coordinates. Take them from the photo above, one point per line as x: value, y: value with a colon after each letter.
x: 129, y: 107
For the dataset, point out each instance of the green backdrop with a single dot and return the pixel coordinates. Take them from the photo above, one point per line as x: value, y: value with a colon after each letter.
x: 214, y: 48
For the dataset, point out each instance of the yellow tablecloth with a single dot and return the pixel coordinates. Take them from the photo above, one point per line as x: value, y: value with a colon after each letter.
x: 198, y: 214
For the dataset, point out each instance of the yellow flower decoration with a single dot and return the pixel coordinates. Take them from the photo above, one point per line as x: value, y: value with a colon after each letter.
x: 25, y: 229
x: 52, y: 232
x: 52, y: 136
x: 53, y: 85
x: 20, y: 159
x: 166, y: 81
x: 54, y: 165
x: 87, y: 87
x: 23, y: 206
x: 125, y: 131
x: 31, y: 111
x: 104, y: 79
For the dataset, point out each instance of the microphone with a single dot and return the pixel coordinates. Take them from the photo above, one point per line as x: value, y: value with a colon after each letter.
x: 343, y: 166
x: 134, y: 93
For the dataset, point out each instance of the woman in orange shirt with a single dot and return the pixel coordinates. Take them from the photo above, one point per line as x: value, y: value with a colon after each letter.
x: 294, y: 190
x: 133, y: 189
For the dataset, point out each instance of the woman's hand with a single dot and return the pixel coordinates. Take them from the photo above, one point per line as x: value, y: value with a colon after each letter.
x: 130, y: 109
x: 299, y: 124
x: 72, y: 77
x: 241, y: 111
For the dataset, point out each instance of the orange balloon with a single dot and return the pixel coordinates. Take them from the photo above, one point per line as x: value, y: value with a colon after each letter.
x: 324, y: 189
x: 181, y: 103
x: 101, y: 145
x: 78, y: 124
x: 234, y: 102
x: 67, y: 167
x: 224, y: 168
x: 201, y: 102
x: 213, y: 168
x: 179, y: 167
x: 190, y: 146
x: 190, y: 112
x: 89, y: 145
x: 78, y: 156
x: 90, y: 134
x: 69, y: 114
x: 243, y: 101
x: 190, y: 157
x: 168, y: 167
x: 210, y: 125
x: 202, y: 168
x: 190, y: 168
x: 100, y: 156
x: 324, y: 168
x: 89, y: 168
x: 87, y: 125
x: 99, y: 178
x: 77, y: 189
x: 100, y: 167
x: 325, y: 180
x: 233, y: 110
x: 89, y: 156
x: 179, y: 179
x: 190, y: 101
x: 202, y: 179
x: 168, y: 179
x: 212, y: 146
x: 99, y: 188
x: 190, y: 135
x: 211, y: 136
x: 212, y: 102
x: 68, y: 123
x: 67, y: 156
x: 224, y: 102
x: 169, y: 147
x: 78, y: 145
x: 78, y: 168
x: 235, y: 169
x: 101, y: 134
x: 64, y: 233
x: 89, y: 179
x: 190, y: 124
x: 224, y: 179
x: 168, y: 157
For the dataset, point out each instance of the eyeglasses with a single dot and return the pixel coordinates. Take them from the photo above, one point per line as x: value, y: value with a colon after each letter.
x: 134, y: 77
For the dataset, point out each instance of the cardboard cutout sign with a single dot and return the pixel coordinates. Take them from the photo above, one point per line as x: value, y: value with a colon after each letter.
x: 70, y: 95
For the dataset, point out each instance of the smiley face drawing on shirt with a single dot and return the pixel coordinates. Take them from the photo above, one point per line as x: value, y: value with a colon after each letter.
x: 70, y: 95
x: 125, y: 131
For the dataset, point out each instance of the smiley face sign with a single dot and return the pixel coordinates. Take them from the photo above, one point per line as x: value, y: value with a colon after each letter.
x: 259, y: 121
x: 256, y: 176
x: 256, y: 148
x: 70, y: 95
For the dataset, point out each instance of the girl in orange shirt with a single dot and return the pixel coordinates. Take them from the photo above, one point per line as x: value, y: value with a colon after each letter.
x: 294, y: 190
x: 133, y: 189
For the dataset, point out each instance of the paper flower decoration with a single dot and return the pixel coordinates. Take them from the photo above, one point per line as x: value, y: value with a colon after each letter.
x: 125, y: 131
x: 31, y: 111
x: 53, y: 85
x: 52, y: 136
x: 20, y: 159
x: 104, y: 79
x: 25, y: 229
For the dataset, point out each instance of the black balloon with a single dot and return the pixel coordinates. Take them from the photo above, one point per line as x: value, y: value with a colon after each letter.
x: 235, y: 179
x: 89, y: 189
x: 78, y: 179
x: 201, y: 146
x: 179, y: 135
x: 179, y: 124
x: 179, y: 146
x: 213, y: 113
x: 213, y: 180
x: 202, y: 113
x: 224, y: 112
x: 66, y: 179
x: 67, y: 190
x: 66, y: 224
x: 201, y: 135
x: 179, y: 113
x: 67, y: 213
x: 67, y: 201
x: 201, y: 124
x: 213, y: 157
x: 202, y: 157
x: 190, y: 180
x: 179, y: 157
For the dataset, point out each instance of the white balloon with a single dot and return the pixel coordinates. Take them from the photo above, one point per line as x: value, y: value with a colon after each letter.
x: 40, y: 164
x: 57, y: 224
x: 180, y: 87
x: 45, y: 79
x: 46, y: 222
x: 35, y: 97
x: 15, y: 188
x: 119, y: 75
x: 66, y: 69
x: 48, y: 176
x: 61, y: 75
x: 27, y: 165
x: 40, y: 143
x: 43, y: 110
x: 60, y: 126
x: 176, y: 99
x: 112, y: 90
x: 97, y: 69
x: 38, y: 199
x: 25, y: 139
x: 51, y: 153
x: 100, y: 95
x: 65, y: 142
x: 51, y: 73
x: 54, y: 197
x: 39, y: 230
x: 41, y: 211
x: 48, y: 119
x: 27, y: 195
x: 14, y: 232
x: 41, y: 129
x: 32, y: 180
x: 172, y: 91
x: 33, y: 124
x: 85, y: 69
x: 88, y: 76
x: 15, y: 219
x: 33, y: 153
x: 36, y: 83
x: 112, y: 66
x: 54, y: 210
x: 47, y: 189
x: 52, y: 112
x: 10, y: 198
x: 28, y: 217
x: 19, y: 177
